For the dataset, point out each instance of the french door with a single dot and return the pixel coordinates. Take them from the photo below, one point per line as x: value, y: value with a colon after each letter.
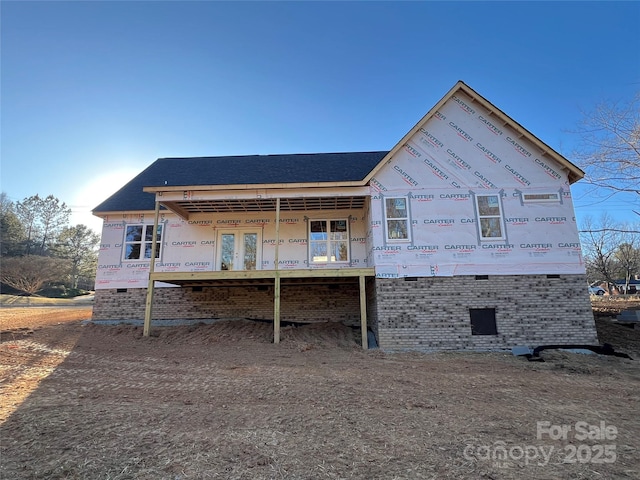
x: 238, y: 250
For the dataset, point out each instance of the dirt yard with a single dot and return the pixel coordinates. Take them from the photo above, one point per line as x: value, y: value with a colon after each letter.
x: 221, y: 401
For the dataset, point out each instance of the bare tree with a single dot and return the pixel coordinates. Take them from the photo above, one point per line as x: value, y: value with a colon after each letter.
x: 600, y: 241
x: 609, y: 148
x: 627, y: 258
x: 29, y: 274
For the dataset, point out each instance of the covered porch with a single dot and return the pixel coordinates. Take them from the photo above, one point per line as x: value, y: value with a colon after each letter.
x: 193, y: 204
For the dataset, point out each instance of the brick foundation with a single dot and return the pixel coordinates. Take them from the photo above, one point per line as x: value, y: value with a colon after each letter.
x: 432, y: 313
x: 300, y: 303
x: 427, y: 314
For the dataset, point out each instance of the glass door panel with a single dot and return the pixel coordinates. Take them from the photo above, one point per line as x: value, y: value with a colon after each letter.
x: 250, y: 250
x: 239, y: 250
x: 227, y: 251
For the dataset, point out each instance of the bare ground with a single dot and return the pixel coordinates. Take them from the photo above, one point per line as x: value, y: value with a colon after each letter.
x: 221, y: 401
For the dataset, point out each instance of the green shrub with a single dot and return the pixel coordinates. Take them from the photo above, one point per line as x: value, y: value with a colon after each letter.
x: 54, y: 291
x: 76, y: 292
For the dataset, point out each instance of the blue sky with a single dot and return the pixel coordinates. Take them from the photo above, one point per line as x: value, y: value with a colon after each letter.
x: 94, y: 92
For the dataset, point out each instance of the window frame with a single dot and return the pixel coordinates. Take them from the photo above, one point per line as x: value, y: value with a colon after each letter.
x: 143, y: 242
x: 407, y: 219
x: 552, y: 197
x: 328, y: 241
x: 499, y: 216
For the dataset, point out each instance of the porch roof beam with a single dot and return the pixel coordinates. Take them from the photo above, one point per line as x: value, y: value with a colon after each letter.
x: 168, y: 277
x: 177, y: 209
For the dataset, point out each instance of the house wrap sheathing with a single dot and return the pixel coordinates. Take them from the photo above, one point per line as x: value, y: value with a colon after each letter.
x: 462, y: 236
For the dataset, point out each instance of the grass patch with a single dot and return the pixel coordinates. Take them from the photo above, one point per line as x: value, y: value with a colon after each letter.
x: 35, y: 301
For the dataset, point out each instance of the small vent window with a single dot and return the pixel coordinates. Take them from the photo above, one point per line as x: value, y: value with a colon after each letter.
x: 541, y: 197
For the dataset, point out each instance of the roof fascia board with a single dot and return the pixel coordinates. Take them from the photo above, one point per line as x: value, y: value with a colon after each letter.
x: 119, y: 213
x: 195, y: 195
x: 265, y: 186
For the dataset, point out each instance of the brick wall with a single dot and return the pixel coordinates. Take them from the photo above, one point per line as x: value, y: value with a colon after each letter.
x: 302, y: 303
x: 427, y: 314
x: 372, y: 306
x: 433, y: 313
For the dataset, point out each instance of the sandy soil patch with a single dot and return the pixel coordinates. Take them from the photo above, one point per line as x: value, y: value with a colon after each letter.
x: 14, y: 320
x: 221, y: 401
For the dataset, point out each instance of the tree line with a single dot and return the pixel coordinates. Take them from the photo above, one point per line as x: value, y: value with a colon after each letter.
x: 611, y: 251
x: 609, y: 152
x: 39, y: 249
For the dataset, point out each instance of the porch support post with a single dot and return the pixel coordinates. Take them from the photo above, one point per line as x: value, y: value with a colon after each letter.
x: 363, y: 313
x: 148, y: 308
x: 276, y: 310
x: 276, y: 289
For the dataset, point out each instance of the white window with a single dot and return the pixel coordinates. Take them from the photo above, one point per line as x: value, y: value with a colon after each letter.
x: 490, y: 217
x: 396, y: 213
x: 328, y: 241
x: 139, y: 240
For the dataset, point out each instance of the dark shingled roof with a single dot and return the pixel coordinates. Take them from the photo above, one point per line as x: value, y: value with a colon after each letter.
x: 240, y: 170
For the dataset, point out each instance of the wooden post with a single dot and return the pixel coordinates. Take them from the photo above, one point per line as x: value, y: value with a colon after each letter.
x: 148, y: 307
x: 276, y: 289
x: 276, y: 310
x: 363, y: 313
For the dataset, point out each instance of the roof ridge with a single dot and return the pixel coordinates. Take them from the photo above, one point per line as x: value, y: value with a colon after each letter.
x: 276, y: 155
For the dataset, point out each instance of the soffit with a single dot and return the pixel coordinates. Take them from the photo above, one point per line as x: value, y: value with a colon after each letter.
x: 265, y: 204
